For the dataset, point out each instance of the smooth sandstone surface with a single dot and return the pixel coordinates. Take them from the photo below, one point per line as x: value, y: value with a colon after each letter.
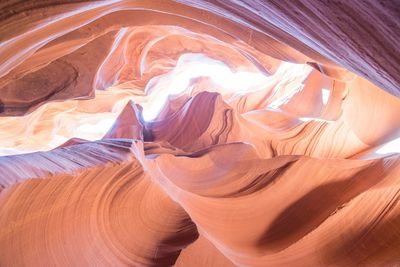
x: 199, y: 133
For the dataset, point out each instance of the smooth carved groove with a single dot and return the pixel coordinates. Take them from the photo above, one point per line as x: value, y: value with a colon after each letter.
x: 199, y: 133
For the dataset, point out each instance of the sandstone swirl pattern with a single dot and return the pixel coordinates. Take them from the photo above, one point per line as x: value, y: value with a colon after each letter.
x: 118, y: 149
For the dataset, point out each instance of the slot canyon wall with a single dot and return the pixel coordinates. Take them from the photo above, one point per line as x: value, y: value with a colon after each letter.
x: 199, y: 133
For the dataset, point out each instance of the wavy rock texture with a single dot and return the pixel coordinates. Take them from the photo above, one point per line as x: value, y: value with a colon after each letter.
x: 199, y: 133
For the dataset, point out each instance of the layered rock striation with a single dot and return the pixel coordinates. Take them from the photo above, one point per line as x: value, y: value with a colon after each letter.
x: 199, y: 133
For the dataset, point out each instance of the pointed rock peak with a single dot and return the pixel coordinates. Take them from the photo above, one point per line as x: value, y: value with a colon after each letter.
x: 128, y: 124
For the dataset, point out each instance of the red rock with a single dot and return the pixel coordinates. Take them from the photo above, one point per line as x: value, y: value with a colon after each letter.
x: 199, y: 133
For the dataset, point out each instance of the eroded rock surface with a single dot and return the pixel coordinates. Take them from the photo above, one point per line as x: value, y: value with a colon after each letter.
x: 199, y: 133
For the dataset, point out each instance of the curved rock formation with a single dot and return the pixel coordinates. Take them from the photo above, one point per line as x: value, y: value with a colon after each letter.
x: 199, y: 133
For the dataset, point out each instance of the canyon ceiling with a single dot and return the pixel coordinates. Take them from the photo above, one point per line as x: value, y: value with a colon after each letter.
x: 200, y: 133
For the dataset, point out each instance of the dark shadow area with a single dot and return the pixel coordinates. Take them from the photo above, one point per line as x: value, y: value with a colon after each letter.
x: 307, y: 213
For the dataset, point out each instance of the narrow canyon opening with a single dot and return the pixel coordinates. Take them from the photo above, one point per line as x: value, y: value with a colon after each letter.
x: 199, y: 133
